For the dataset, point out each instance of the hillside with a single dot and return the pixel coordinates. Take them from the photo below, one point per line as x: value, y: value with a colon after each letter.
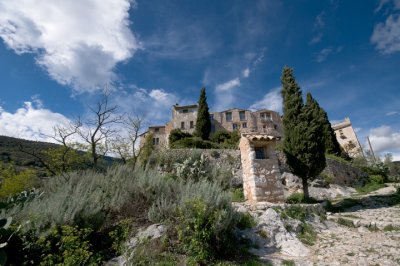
x: 10, y: 151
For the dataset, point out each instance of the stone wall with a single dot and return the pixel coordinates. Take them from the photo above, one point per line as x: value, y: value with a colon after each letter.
x: 339, y: 173
x: 261, y: 177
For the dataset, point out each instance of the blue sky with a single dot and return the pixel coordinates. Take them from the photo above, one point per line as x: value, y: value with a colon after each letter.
x: 55, y: 58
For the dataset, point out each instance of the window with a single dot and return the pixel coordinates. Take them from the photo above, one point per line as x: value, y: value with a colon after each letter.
x: 265, y: 116
x: 156, y: 141
x: 342, y: 136
x: 260, y: 153
x: 212, y: 117
x: 242, y: 115
x: 185, y: 111
x: 244, y: 125
x: 182, y: 125
x: 235, y: 126
x: 156, y: 129
x: 191, y: 124
x: 228, y: 117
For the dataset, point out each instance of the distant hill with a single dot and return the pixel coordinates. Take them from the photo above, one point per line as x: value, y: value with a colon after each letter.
x: 10, y: 152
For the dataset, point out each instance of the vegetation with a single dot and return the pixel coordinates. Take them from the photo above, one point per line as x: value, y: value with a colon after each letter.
x: 299, y: 198
x: 14, y: 182
x: 303, y: 145
x: 203, y: 122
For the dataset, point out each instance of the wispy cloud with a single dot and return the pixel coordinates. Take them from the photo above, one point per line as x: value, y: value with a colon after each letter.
x: 322, y: 55
x: 318, y: 27
x: 78, y: 43
x: 386, y: 36
x: 246, y: 72
x: 272, y: 101
x: 153, y: 105
x: 392, y: 113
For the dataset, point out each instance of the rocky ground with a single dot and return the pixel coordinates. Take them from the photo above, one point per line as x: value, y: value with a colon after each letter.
x: 364, y: 231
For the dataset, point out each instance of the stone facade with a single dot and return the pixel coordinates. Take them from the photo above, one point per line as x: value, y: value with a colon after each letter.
x: 245, y: 121
x: 347, y: 138
x: 260, y: 167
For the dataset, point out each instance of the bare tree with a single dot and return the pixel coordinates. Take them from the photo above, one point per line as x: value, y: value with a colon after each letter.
x: 126, y: 145
x: 98, y: 129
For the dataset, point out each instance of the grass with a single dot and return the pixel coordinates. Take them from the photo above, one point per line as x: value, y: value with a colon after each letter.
x: 288, y: 263
x: 342, y: 205
x: 345, y: 222
x: 391, y: 227
x: 299, y: 198
x: 307, y: 235
x: 369, y: 187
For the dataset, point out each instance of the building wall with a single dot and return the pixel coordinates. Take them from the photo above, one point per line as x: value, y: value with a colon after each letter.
x: 347, y: 138
x: 187, y: 116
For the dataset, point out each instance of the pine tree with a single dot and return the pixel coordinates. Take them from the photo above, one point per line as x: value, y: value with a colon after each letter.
x: 203, y: 123
x: 303, y: 143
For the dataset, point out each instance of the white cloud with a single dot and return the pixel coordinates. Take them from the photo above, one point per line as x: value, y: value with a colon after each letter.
x: 229, y: 85
x: 77, y: 42
x: 386, y: 36
x: 272, y: 101
x: 246, y: 72
x: 385, y: 139
x: 153, y: 105
x: 224, y: 94
x: 31, y: 121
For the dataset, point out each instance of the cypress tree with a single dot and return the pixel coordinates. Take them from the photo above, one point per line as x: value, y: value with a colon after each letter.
x: 303, y: 142
x: 203, y: 123
x: 331, y: 144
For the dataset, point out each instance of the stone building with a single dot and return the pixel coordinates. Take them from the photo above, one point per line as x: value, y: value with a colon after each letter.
x: 245, y: 121
x: 347, y: 138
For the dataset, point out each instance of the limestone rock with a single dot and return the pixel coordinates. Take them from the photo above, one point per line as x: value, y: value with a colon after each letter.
x: 270, y: 221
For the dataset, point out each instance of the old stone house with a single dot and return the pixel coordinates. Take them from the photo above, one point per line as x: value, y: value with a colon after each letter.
x: 347, y: 138
x: 243, y: 120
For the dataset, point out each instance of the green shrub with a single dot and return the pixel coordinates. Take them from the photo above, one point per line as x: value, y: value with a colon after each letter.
x: 193, y: 142
x: 13, y: 182
x: 66, y: 245
x: 328, y: 178
x: 378, y: 179
x: 205, y: 232
x: 238, y: 195
x: 226, y: 139
x: 294, y: 212
x: 369, y: 187
x: 246, y: 221
x: 177, y: 134
x: 299, y: 198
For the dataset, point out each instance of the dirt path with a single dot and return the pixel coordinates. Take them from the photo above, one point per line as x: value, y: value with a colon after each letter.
x: 365, y: 234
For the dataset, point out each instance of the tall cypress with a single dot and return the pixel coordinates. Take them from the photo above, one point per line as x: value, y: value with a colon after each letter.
x: 203, y: 123
x: 332, y: 146
x: 303, y: 142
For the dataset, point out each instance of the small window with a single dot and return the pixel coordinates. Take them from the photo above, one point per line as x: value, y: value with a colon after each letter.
x: 156, y: 141
x: 191, y: 124
x: 212, y: 117
x: 235, y: 126
x: 228, y: 116
x: 275, y: 127
x: 156, y: 129
x: 244, y: 125
x: 185, y: 111
x: 242, y: 115
x: 182, y: 125
x: 260, y: 153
